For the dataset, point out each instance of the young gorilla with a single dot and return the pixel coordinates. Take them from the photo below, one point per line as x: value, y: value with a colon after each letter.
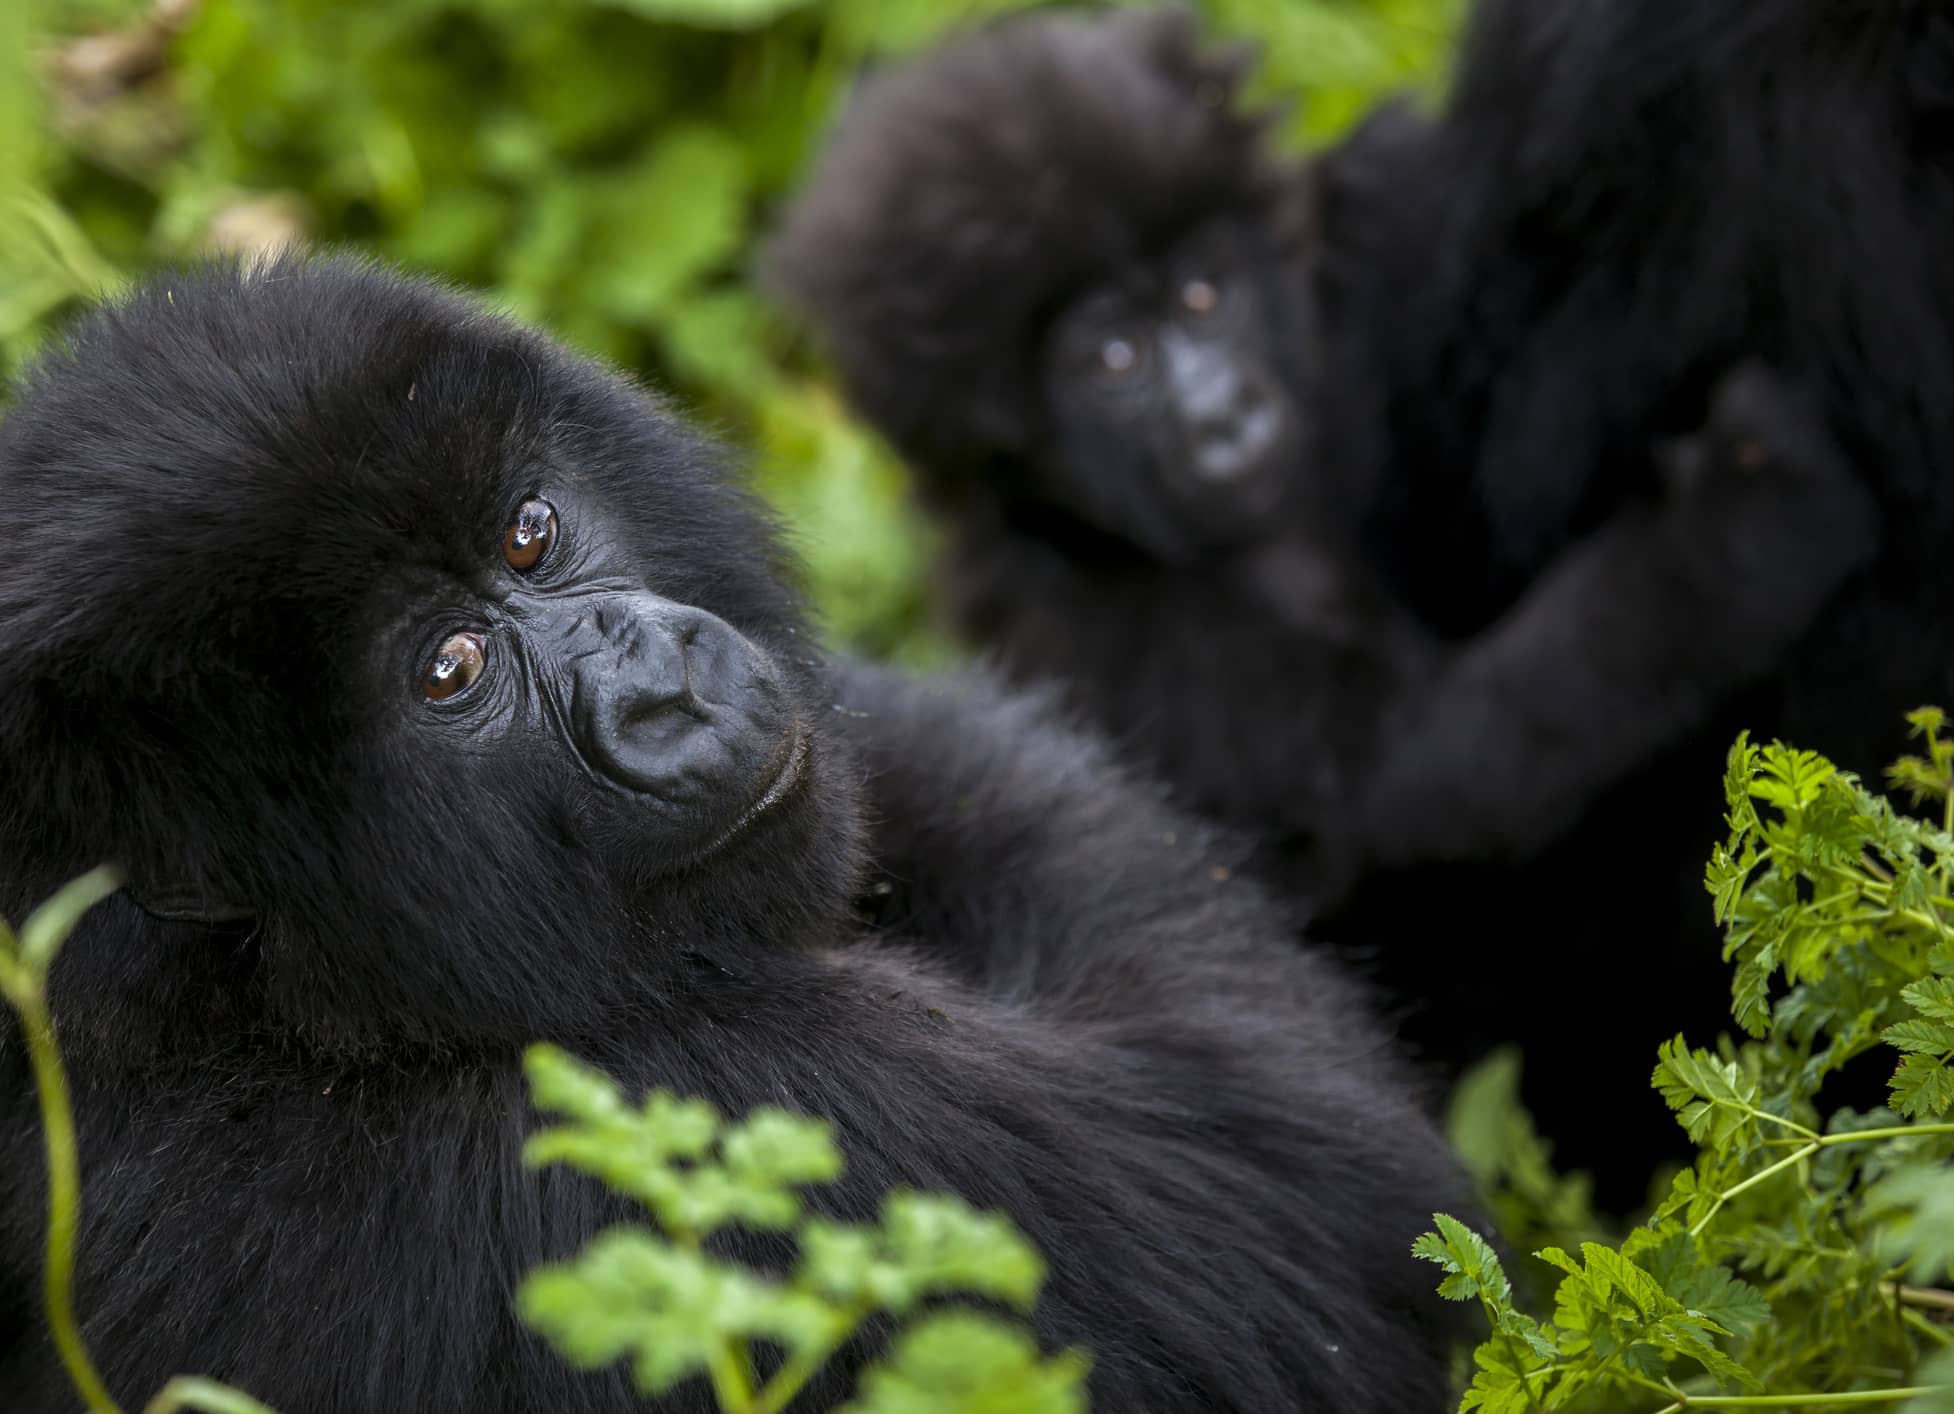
x: 437, y: 692
x: 1051, y: 262
x: 1056, y: 268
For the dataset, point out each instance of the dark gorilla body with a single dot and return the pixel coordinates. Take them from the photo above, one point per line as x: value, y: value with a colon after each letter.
x: 1617, y: 202
x: 436, y: 693
x: 1118, y: 346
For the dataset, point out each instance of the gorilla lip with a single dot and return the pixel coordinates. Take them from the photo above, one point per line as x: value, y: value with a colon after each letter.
x: 793, y: 766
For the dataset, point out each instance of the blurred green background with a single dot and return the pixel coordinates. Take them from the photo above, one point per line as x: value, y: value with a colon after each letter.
x: 602, y: 167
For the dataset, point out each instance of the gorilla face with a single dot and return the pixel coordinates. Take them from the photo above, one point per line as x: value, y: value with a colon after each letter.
x: 362, y: 616
x: 664, y: 701
x: 1174, y: 411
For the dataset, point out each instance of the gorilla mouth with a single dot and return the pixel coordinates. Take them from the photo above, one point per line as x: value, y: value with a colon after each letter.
x: 791, y: 768
x: 1248, y: 451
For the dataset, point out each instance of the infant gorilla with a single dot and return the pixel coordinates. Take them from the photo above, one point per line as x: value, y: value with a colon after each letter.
x: 437, y: 692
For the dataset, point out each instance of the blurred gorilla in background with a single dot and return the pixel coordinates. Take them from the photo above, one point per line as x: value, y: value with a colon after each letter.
x: 1114, y: 336
x: 437, y: 692
x: 1616, y: 202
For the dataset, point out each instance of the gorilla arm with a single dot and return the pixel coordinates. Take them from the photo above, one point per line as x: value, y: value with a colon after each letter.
x: 1626, y: 642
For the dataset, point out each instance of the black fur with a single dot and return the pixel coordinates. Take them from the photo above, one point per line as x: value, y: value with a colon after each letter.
x: 1617, y: 201
x: 996, y: 961
x: 1277, y: 679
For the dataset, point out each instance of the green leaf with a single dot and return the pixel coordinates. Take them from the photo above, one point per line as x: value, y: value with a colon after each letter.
x: 964, y: 1363
x: 1932, y: 997
x: 1712, y: 1098
x: 663, y: 1152
x: 1706, y: 1288
x: 631, y: 1294
x: 1934, y: 1037
x: 1914, y: 1211
x: 774, y: 1147
x: 1923, y: 1087
x: 48, y: 927
x: 1503, y: 1379
x: 1790, y: 779
x: 926, y: 1245
x: 1473, y: 1266
x: 1936, y: 1374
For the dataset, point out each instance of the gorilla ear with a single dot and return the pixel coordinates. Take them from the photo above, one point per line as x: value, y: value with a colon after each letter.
x: 186, y: 905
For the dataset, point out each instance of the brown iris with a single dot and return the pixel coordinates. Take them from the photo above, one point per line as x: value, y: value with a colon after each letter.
x: 528, y: 540
x: 457, y: 663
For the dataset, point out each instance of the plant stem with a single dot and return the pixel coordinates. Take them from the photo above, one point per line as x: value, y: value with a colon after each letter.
x: 1512, y: 1352
x: 29, y: 997
x: 793, y: 1376
x: 1924, y: 1296
x: 1914, y: 1321
x: 1786, y: 1162
x: 1891, y: 1131
x: 1798, y: 1401
x: 730, y: 1385
x: 1805, y: 1151
x: 1781, y: 1121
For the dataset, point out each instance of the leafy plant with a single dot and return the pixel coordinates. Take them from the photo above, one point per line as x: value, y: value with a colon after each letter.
x: 661, y: 1300
x: 1794, y: 1264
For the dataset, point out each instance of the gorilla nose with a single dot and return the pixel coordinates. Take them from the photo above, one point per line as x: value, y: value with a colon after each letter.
x: 643, y: 655
x: 672, y: 701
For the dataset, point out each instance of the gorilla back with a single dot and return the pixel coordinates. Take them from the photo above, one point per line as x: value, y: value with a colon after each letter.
x: 436, y: 692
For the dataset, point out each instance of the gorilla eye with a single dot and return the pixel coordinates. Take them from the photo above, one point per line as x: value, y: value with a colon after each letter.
x: 1117, y: 355
x: 457, y: 663
x: 528, y: 540
x: 1199, y: 297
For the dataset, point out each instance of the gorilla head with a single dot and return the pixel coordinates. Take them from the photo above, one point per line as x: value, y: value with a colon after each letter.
x: 1047, y: 259
x: 533, y: 654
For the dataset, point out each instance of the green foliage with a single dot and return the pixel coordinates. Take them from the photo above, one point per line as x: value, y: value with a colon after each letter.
x: 677, y: 1311
x: 1530, y: 1203
x: 603, y: 167
x: 963, y: 1364
x: 1794, y: 1264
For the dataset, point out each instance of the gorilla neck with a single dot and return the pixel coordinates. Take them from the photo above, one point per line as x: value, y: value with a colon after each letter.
x: 364, y: 983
